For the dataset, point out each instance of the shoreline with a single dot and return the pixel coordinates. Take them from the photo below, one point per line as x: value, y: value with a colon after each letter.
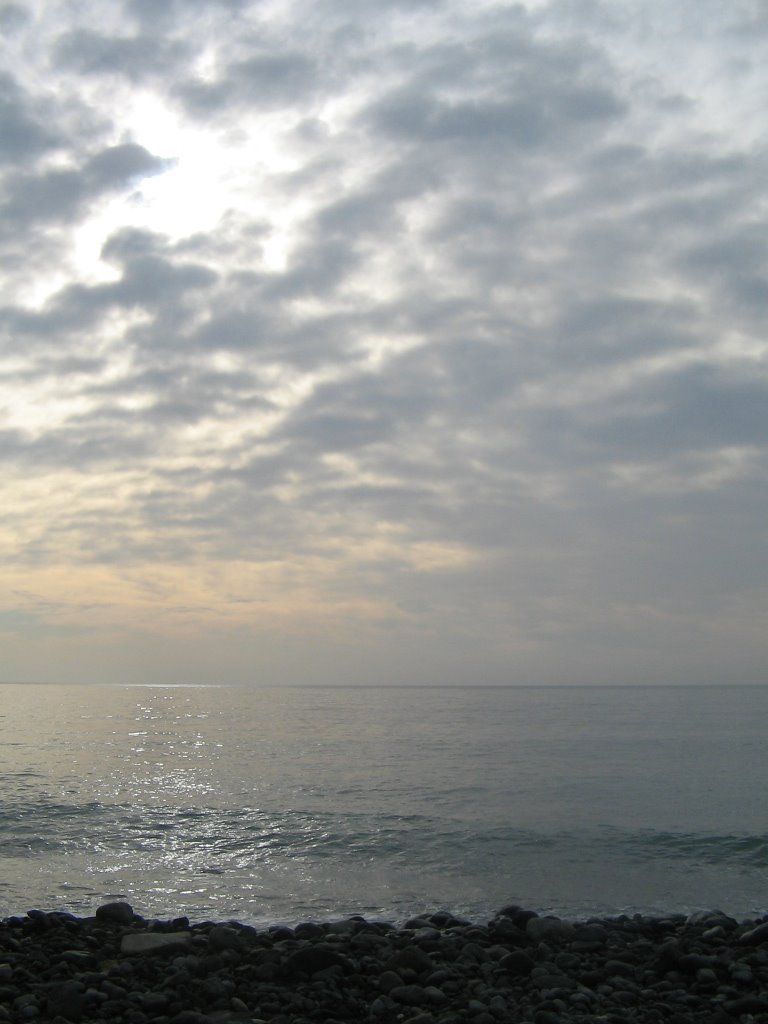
x: 518, y: 967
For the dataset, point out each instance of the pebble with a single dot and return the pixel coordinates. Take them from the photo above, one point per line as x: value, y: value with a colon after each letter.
x: 519, y: 968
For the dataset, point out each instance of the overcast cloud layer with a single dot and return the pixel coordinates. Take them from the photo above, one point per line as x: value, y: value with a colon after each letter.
x: 410, y: 341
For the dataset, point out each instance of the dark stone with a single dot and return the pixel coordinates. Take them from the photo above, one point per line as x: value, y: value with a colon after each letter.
x: 509, y: 911
x: 153, y: 1002
x: 504, y: 929
x: 39, y: 918
x: 546, y: 1017
x: 78, y: 958
x: 519, y: 917
x: 443, y: 971
x: 115, y: 913
x: 747, y: 1004
x: 312, y: 959
x: 755, y: 936
x: 409, y: 995
x: 595, y: 934
x: 389, y: 980
x: 224, y: 937
x: 411, y: 957
x: 517, y: 964
x: 308, y: 930
x: 692, y: 962
x: 67, y: 999
x: 668, y: 955
x: 619, y: 968
x: 444, y: 919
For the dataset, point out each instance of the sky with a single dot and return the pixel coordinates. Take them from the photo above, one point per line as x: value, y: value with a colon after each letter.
x: 396, y: 342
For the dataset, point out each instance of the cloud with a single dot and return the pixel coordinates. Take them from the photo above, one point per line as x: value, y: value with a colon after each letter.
x: 23, y: 124
x: 268, y: 80
x: 137, y: 57
x: 456, y: 332
x: 59, y: 195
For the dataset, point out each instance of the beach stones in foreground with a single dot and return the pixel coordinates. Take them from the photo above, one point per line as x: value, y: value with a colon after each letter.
x: 519, y: 968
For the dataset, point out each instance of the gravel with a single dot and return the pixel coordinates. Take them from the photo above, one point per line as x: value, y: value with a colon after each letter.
x: 519, y: 967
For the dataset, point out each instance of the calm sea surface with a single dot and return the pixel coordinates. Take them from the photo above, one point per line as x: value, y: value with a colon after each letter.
x: 291, y: 804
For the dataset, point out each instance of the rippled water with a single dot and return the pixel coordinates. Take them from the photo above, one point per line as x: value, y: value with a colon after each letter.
x: 282, y: 804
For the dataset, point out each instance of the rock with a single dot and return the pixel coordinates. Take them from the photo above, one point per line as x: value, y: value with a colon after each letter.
x: 755, y: 936
x: 435, y: 995
x: 547, y: 1017
x: 79, y: 958
x: 67, y: 999
x: 692, y: 962
x: 747, y: 1004
x: 153, y: 1002
x: 349, y: 926
x: 591, y: 933
x: 416, y: 922
x: 411, y: 957
x: 409, y: 995
x: 154, y: 942
x: 706, y: 977
x: 381, y: 1006
x: 191, y: 1017
x: 389, y: 980
x: 505, y: 930
x: 224, y: 937
x: 308, y: 930
x: 517, y: 964
x: 517, y: 915
x: 668, y: 955
x: 636, y: 968
x: 444, y: 919
x: 549, y: 929
x: 312, y: 959
x: 710, y: 919
x: 116, y: 913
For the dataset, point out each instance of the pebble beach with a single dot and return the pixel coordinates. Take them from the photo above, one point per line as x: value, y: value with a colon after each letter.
x: 518, y: 967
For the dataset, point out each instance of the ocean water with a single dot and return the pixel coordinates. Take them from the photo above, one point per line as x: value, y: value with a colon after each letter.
x: 270, y: 804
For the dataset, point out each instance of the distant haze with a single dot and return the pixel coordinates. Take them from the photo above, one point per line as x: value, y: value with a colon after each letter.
x: 407, y: 342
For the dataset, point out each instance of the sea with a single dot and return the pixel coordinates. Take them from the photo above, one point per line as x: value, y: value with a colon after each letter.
x: 268, y: 804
